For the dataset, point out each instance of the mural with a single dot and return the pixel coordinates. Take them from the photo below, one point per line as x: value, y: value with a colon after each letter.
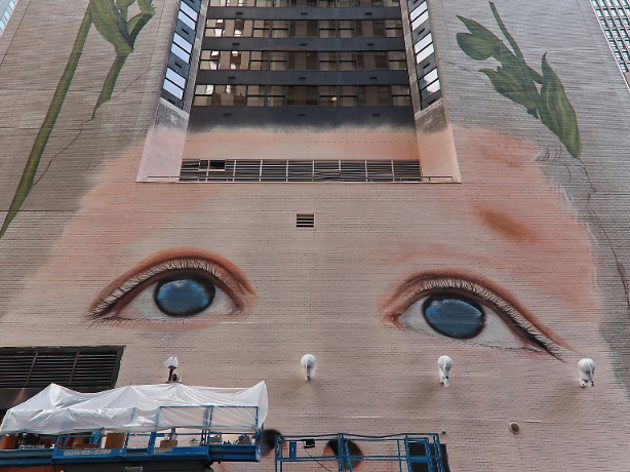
x: 516, y: 273
x: 515, y: 80
x: 121, y: 32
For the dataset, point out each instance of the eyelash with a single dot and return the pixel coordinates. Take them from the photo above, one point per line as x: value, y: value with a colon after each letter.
x: 510, y: 315
x: 101, y: 311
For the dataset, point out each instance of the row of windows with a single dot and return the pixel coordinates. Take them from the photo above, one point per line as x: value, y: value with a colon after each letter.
x: 610, y: 3
x: 305, y: 3
x: 304, y: 28
x: 175, y: 81
x: 303, y: 95
x: 428, y: 80
x: 4, y: 19
x: 292, y: 60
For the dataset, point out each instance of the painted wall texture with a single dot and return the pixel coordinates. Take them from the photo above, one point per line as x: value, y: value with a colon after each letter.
x: 532, y: 242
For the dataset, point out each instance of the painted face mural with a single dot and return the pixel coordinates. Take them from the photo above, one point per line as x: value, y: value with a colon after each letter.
x: 510, y: 272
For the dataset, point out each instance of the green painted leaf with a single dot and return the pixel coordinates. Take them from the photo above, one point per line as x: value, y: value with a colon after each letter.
x: 556, y: 111
x: 146, y: 7
x: 111, y: 25
x: 511, y: 87
x: 475, y: 47
x: 124, y: 3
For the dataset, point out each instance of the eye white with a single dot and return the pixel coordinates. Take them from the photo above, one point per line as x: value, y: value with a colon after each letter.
x: 143, y: 306
x: 495, y: 332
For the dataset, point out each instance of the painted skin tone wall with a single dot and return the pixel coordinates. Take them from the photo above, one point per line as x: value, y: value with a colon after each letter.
x: 350, y: 292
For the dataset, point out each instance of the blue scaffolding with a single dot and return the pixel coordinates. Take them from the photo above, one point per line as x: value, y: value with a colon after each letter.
x: 207, y: 447
x: 407, y: 452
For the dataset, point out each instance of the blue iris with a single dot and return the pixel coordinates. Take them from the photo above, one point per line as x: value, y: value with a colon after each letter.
x: 454, y: 315
x: 184, y: 297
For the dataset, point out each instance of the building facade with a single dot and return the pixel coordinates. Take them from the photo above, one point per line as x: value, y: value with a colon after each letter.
x: 375, y: 183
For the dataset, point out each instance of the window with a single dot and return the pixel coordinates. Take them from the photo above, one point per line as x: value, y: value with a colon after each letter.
x: 327, y: 29
x: 401, y: 96
x: 209, y: 60
x: 375, y: 96
x: 280, y: 29
x: 348, y: 96
x: 346, y: 29
x: 229, y: 95
x: 303, y: 61
x: 347, y: 61
x: 327, y: 61
x: 262, y: 28
x: 397, y: 60
x: 275, y: 96
x: 303, y: 29
x: 371, y: 60
x: 302, y: 95
x: 328, y: 95
x: 256, y: 96
x: 203, y: 95
x: 393, y: 28
x: 214, y: 28
x: 277, y: 61
x: 258, y: 60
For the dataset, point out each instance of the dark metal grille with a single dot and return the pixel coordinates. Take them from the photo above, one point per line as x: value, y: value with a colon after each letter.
x: 81, y: 368
x: 290, y: 171
x: 305, y: 220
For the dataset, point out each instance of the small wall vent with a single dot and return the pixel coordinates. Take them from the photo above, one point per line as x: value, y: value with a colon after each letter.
x: 305, y: 220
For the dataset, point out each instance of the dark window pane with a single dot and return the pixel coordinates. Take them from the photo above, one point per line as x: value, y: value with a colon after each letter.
x: 302, y: 61
x: 375, y: 96
x: 303, y: 29
x: 300, y: 95
x: 371, y: 60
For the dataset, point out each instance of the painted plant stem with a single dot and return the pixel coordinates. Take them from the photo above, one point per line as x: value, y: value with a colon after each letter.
x: 110, y: 82
x: 28, y: 176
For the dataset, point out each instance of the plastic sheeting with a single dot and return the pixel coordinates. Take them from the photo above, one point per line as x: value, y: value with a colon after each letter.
x: 142, y: 408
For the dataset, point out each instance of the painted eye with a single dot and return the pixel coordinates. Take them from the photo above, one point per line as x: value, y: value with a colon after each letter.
x: 458, y: 310
x: 174, y: 290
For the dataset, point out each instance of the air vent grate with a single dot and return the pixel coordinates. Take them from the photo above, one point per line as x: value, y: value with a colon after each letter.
x: 81, y: 368
x: 305, y: 220
x: 294, y: 171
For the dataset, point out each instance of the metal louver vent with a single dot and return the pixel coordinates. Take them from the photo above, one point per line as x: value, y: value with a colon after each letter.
x: 294, y: 171
x: 87, y: 369
x: 305, y: 220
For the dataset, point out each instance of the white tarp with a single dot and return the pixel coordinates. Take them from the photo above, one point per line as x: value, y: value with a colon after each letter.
x: 140, y: 408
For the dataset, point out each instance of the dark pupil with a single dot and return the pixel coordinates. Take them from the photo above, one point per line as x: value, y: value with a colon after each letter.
x: 184, y: 297
x: 453, y: 315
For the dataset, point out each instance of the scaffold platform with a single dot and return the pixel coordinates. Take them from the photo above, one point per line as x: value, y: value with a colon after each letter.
x: 408, y: 452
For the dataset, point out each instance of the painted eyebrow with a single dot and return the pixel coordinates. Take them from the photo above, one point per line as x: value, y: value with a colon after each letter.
x: 400, y: 301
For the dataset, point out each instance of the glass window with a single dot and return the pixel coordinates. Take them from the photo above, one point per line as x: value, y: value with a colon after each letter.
x: 214, y: 28
x: 303, y: 29
x: 370, y: 29
x: 326, y: 3
x: 327, y: 29
x: 391, y: 3
x: 397, y: 60
x: 258, y: 60
x: 264, y: 3
x: 234, y: 60
x: 280, y: 29
x: 229, y: 95
x: 346, y: 29
x: 303, y: 3
x: 203, y: 95
x: 255, y: 96
x: 345, y: 3
x: 393, y: 28
x: 209, y: 60
x: 262, y: 28
x: 302, y: 95
x: 277, y: 60
x: 275, y: 96
x: 237, y: 28
x: 375, y: 96
x: 281, y: 3
x: 347, y: 61
x: 400, y: 96
x: 302, y: 61
x: 348, y: 96
x: 328, y: 95
x: 371, y: 60
x: 327, y: 61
